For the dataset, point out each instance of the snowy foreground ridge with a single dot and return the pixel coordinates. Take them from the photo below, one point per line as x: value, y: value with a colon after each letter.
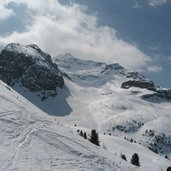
x: 31, y: 140
x: 93, y: 97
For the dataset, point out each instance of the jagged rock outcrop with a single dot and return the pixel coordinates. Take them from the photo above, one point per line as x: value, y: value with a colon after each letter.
x: 159, y: 96
x: 30, y: 67
x: 133, y: 83
x: 138, y: 80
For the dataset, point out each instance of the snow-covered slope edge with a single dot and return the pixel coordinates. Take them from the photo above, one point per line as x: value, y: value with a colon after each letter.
x: 32, y: 140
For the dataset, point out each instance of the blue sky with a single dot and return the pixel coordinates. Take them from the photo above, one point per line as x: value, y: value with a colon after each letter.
x: 135, y: 33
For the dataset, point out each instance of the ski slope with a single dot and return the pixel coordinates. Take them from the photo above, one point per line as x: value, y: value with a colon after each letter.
x: 33, y: 140
x: 42, y: 135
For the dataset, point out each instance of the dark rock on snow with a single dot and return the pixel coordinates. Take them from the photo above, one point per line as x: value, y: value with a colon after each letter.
x: 138, y: 80
x: 30, y: 67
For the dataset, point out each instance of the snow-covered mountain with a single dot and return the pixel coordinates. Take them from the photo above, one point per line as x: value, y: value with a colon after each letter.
x: 31, y: 68
x: 115, y: 101
x: 130, y: 112
x: 31, y: 72
x: 32, y: 140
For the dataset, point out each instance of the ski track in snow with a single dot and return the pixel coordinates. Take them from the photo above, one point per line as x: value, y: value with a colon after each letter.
x: 32, y: 140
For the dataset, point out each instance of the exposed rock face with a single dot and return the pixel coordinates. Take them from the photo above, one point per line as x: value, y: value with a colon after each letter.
x: 133, y: 83
x: 138, y: 80
x: 30, y: 67
x: 159, y: 96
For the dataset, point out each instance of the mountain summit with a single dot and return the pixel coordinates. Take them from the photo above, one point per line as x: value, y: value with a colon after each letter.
x: 28, y: 66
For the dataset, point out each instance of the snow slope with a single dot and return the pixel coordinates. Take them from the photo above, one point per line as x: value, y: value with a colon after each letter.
x: 91, y: 98
x: 98, y: 101
x: 33, y: 140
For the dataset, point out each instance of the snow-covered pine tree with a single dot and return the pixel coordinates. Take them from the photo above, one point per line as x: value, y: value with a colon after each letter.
x: 81, y: 133
x: 135, y: 159
x: 85, y: 135
x: 168, y: 169
x: 94, y: 137
x: 123, y: 157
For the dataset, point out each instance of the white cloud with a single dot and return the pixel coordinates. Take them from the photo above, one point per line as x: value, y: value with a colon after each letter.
x: 5, y: 12
x: 60, y: 28
x: 137, y: 5
x: 156, y: 3
x: 155, y: 69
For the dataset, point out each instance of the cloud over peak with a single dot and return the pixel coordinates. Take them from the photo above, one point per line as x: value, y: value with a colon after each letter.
x: 61, y: 28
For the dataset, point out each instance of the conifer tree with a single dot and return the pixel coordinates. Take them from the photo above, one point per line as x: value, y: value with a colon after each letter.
x: 94, y: 137
x: 81, y: 133
x: 85, y: 135
x: 135, y: 160
x: 168, y: 169
x: 123, y: 157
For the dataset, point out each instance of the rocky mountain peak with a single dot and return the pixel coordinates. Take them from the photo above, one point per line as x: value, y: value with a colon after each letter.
x: 30, y: 67
x: 30, y: 51
x: 98, y: 73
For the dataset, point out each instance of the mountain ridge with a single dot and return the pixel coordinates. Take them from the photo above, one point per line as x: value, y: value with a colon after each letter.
x: 93, y: 97
x: 30, y: 67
